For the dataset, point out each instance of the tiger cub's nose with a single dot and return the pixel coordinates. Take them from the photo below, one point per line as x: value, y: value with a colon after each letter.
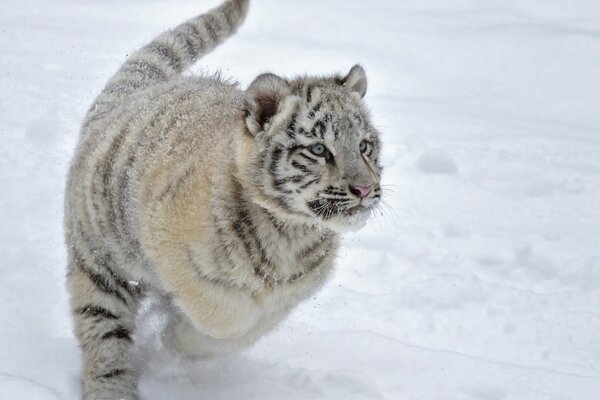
x: 361, y: 190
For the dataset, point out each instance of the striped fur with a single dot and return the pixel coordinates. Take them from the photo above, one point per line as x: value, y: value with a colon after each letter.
x: 209, y: 195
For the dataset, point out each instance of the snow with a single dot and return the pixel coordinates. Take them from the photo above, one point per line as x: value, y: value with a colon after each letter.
x: 436, y: 162
x: 481, y: 280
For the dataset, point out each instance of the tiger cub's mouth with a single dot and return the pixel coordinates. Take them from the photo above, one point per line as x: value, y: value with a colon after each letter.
x: 364, y: 206
x: 356, y: 209
x: 328, y: 208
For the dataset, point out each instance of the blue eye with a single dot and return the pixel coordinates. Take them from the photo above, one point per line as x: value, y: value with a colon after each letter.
x: 362, y: 146
x: 318, y: 150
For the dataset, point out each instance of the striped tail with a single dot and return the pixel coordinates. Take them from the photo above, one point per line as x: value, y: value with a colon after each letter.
x: 171, y: 53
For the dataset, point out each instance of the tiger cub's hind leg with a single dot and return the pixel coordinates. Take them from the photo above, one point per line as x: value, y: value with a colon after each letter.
x: 104, y: 305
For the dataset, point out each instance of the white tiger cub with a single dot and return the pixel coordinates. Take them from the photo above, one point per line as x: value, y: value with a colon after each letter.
x: 226, y: 202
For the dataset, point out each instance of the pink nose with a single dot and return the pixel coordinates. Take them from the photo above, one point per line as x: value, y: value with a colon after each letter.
x: 361, y: 190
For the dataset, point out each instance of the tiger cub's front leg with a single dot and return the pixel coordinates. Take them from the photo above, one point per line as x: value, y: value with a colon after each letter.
x: 184, y: 338
x: 104, y: 307
x: 215, y: 309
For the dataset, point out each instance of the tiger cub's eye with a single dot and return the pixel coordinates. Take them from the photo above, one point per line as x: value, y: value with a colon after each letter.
x: 363, y: 146
x: 318, y: 149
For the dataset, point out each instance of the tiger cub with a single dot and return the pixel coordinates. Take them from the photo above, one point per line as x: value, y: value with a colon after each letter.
x: 225, y: 202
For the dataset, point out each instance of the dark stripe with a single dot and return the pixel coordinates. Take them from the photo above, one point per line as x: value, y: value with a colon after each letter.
x: 174, y: 187
x: 95, y: 218
x: 295, y: 147
x: 337, y: 201
x: 196, y: 35
x: 93, y: 116
x: 243, y: 226
x: 244, y: 230
x: 226, y: 247
x: 318, y: 129
x: 103, y: 284
x: 303, y: 132
x: 262, y: 160
x: 118, y: 333
x: 358, y: 118
x: 336, y: 198
x: 277, y: 224
x: 291, y: 129
x: 186, y: 41
x: 318, y: 260
x: 146, y: 68
x: 121, y: 206
x: 166, y: 53
x: 130, y: 289
x: 323, y: 245
x: 96, y: 311
x: 104, y: 261
x: 300, y: 167
x: 209, y: 22
x: 121, y: 87
x: 295, y: 277
x: 294, y: 178
x: 282, y: 202
x: 312, y: 160
x: 314, y: 111
x: 275, y: 157
x: 222, y: 254
x: 106, y: 175
x: 307, y: 184
x: 200, y: 273
x: 99, y: 281
x: 113, y: 373
x: 264, y: 275
x: 334, y: 191
x: 278, y: 186
x: 309, y: 94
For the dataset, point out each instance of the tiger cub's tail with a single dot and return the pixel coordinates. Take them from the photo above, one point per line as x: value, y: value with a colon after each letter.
x: 172, y: 52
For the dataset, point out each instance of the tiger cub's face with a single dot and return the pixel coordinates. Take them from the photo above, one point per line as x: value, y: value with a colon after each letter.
x: 317, y: 151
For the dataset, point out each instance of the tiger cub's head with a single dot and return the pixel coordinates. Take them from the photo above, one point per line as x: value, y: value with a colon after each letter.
x: 315, y: 153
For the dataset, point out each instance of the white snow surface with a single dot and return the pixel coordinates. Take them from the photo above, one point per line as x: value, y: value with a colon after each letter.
x: 481, y: 280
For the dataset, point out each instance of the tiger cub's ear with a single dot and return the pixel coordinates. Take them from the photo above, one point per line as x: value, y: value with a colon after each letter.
x: 356, y: 80
x: 262, y: 99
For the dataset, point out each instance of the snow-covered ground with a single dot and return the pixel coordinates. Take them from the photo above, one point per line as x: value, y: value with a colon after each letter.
x: 481, y: 280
